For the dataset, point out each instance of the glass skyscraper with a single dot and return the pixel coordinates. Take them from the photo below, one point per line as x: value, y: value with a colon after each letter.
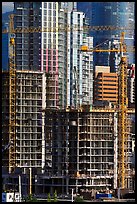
x: 117, y: 14
x: 5, y: 52
x: 80, y: 65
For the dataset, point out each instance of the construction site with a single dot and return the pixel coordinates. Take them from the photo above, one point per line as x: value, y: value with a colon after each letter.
x: 82, y: 150
x: 86, y: 148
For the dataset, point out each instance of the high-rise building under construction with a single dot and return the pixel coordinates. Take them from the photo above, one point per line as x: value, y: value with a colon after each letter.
x: 54, y: 51
x: 41, y: 63
x: 38, y: 51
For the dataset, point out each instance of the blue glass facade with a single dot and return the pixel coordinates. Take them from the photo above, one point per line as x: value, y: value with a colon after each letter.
x: 118, y: 14
x: 5, y: 41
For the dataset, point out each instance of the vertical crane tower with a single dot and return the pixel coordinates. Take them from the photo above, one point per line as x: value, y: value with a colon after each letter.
x: 122, y: 112
x: 122, y: 120
x: 12, y: 95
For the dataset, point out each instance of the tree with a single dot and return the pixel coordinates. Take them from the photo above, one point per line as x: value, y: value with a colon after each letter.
x: 78, y: 199
x: 31, y: 198
x: 49, y: 198
x: 55, y: 196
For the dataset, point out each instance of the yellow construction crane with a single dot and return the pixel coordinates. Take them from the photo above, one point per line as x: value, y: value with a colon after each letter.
x: 12, y: 96
x: 61, y: 28
x: 122, y: 120
x: 123, y: 102
x: 12, y: 87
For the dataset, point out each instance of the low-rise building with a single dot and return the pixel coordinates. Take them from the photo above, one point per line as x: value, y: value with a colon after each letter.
x: 105, y: 85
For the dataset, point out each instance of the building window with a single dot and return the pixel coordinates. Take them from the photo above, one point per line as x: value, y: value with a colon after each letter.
x: 49, y: 5
x: 54, y: 13
x: 45, y: 12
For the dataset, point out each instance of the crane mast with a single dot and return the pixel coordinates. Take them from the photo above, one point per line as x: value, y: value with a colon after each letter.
x: 122, y: 136
x: 12, y: 96
x: 122, y: 120
x: 122, y: 111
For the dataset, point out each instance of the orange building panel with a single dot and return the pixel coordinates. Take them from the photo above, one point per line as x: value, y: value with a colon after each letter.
x: 106, y: 87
